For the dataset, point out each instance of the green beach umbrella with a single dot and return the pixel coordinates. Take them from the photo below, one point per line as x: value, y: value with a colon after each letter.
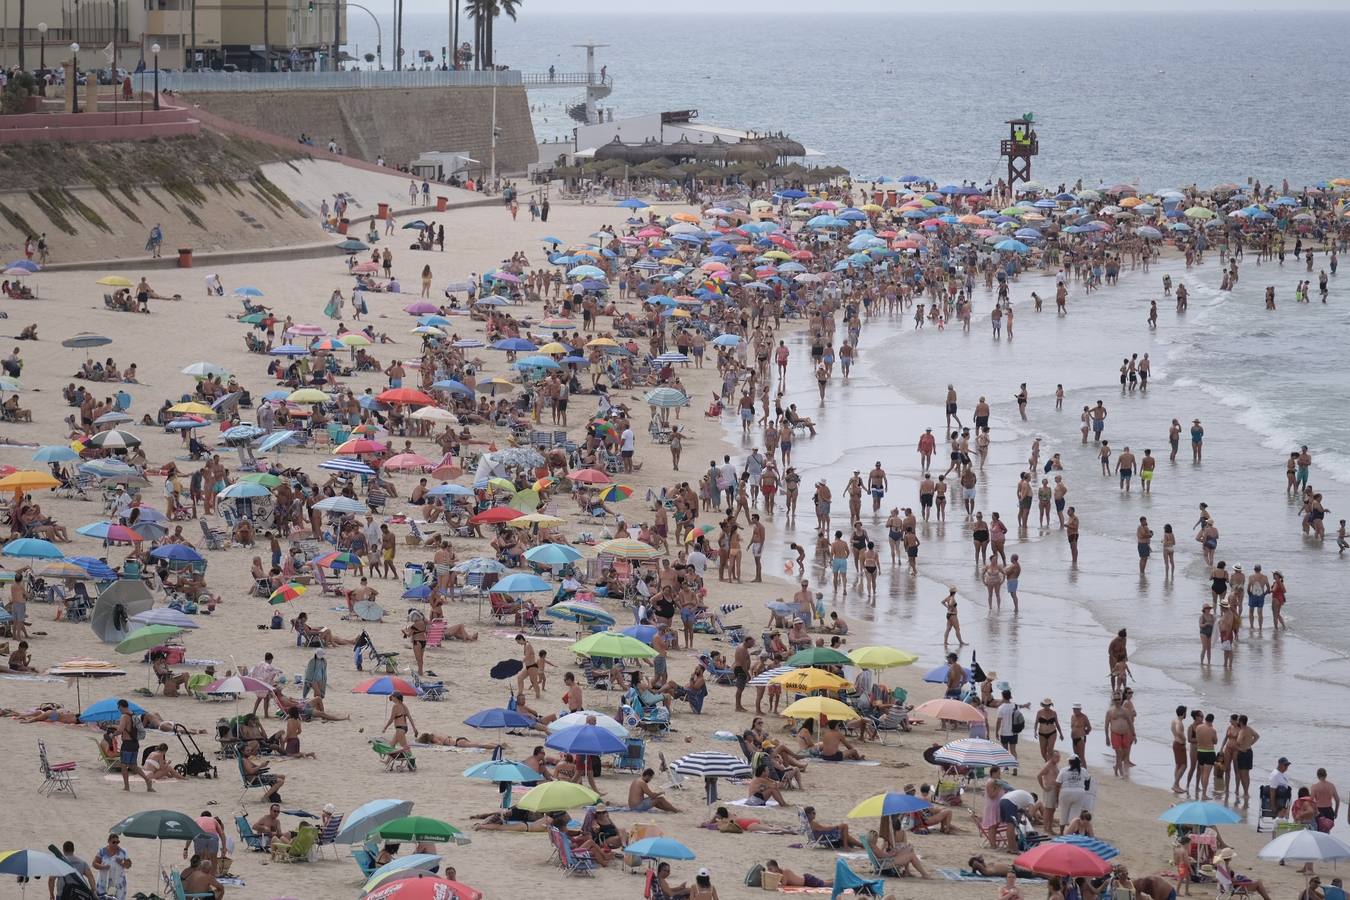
x: 417, y: 828
x: 819, y: 656
x: 144, y: 638
x: 557, y: 796
x: 614, y: 645
x: 266, y: 479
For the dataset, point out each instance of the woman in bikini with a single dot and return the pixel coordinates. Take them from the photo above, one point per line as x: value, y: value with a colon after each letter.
x: 871, y: 562
x: 401, y: 719
x: 953, y: 623
x: 442, y: 740
x: 894, y: 533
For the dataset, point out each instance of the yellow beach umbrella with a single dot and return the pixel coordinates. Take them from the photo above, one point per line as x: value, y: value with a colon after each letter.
x: 502, y: 484
x: 114, y: 281
x: 811, y: 679
x: 307, y: 395
x: 778, y: 254
x: 603, y: 342
x: 28, y: 480
x: 623, y: 548
x: 881, y: 657
x: 196, y: 409
x: 535, y: 518
x: 809, y: 707
x: 355, y: 340
x: 557, y: 796
x: 552, y: 347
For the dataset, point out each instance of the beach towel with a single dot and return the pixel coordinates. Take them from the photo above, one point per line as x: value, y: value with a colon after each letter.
x: 804, y: 890
x: 444, y: 749
x: 511, y: 636
x: 847, y: 762
x: 745, y: 801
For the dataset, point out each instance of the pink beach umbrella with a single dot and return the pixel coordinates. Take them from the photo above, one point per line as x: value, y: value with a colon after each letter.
x: 407, y: 461
x: 307, y: 330
x: 421, y: 308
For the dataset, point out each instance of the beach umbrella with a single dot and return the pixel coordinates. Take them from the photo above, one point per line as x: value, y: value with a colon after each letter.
x: 350, y: 466
x: 888, y: 804
x: 514, y: 344
x: 767, y: 676
x: 61, y: 568
x: 552, y: 554
x: 114, y: 469
x: 274, y: 440
x: 28, y: 480
x: 1064, y: 860
x: 557, y: 796
x: 496, y: 515
x: 406, y: 461
x: 55, y: 453
x: 627, y: 548
x: 241, y: 433
x: 244, y: 490
x: 31, y: 548
x: 288, y: 350
x: 165, y: 615
x: 939, y: 675
x: 352, y: 245
x: 588, y: 740
x: 407, y: 396
x: 359, y: 445
x: 266, y: 479
x: 435, y: 414
x: 588, y: 476
x: 644, y: 633
x: 818, y: 656
x: 522, y: 583
x: 105, y: 711
x: 581, y: 717
x: 419, y: 885
x: 112, y: 418
x: 658, y: 848
x: 85, y: 341
x: 384, y: 685
x: 363, y: 820
x: 1306, y: 845
x: 406, y: 866
x: 1101, y: 848
x: 711, y: 765
x: 880, y: 657
x: 949, y: 710
x: 340, y: 505
x: 239, y: 684
x: 580, y: 611
x: 615, y: 492
x: 114, y: 439
x: 498, y: 717
x: 145, y: 637
x: 117, y: 603
x: 809, y: 707
x: 159, y: 825
x: 413, y: 829
x: 1200, y: 812
x: 809, y: 680
x: 177, y: 553
x: 480, y: 565
x: 974, y: 752
x: 33, y: 864
x: 612, y: 645
x: 450, y: 490
x: 286, y: 593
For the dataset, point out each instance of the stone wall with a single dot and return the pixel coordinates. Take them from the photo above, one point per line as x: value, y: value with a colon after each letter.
x: 398, y: 124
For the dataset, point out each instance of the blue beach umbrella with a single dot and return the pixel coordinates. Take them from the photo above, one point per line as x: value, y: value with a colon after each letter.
x: 522, y: 583
x: 659, y: 848
x: 1092, y: 845
x: 246, y: 291
x: 97, y: 568
x: 644, y: 633
x: 588, y: 740
x: 107, y: 711
x: 31, y: 548
x: 1200, y: 812
x: 633, y: 203
x: 55, y: 453
x: 498, y: 717
x: 939, y: 675
x: 552, y: 554
x: 367, y: 817
x: 177, y: 553
x: 513, y: 344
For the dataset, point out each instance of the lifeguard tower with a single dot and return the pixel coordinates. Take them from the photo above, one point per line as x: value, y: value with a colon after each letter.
x: 1020, y: 146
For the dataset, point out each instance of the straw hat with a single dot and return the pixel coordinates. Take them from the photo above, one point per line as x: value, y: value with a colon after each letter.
x: 1227, y: 853
x: 1047, y: 702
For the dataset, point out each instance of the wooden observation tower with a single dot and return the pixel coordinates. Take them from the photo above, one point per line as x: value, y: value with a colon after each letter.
x: 1019, y: 147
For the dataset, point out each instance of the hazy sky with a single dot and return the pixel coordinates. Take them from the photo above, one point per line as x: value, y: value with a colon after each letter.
x: 909, y: 7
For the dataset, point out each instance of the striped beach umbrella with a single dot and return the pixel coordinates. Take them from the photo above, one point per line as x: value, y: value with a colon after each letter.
x: 338, y: 559
x: 764, y: 678
x: 627, y: 548
x: 340, y: 505
x: 385, y: 685
x: 1101, y: 848
x: 711, y: 764
x: 974, y: 752
x: 666, y: 398
x: 580, y: 611
x: 350, y: 466
x: 114, y: 439
x: 615, y: 492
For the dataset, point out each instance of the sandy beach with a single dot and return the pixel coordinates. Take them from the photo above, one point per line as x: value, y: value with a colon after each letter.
x: 347, y: 773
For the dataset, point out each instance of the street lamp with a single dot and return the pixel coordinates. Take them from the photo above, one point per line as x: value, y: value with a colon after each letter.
x: 154, y: 48
x: 42, y: 52
x: 75, y: 78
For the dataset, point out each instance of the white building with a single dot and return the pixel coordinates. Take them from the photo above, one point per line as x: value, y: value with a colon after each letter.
x: 662, y: 127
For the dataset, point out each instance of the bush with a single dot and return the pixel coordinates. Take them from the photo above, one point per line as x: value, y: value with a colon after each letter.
x: 20, y: 87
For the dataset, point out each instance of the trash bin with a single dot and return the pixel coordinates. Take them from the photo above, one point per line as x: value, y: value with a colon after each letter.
x: 342, y: 225
x: 442, y: 203
x: 384, y: 211
x: 184, y: 257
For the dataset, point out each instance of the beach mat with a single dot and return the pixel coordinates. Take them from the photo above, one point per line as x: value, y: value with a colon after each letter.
x: 805, y: 890
x: 745, y: 801
x: 847, y: 762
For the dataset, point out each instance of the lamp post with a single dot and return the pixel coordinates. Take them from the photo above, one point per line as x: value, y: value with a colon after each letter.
x: 74, y: 78
x: 42, y: 45
x: 154, y: 48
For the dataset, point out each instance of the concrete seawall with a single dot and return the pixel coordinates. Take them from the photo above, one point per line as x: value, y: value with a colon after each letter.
x: 398, y: 124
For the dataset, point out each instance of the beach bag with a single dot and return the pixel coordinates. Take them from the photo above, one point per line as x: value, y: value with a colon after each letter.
x: 754, y: 878
x: 1019, y: 721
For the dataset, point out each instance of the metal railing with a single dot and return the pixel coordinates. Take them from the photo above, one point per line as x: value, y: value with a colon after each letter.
x: 544, y: 79
x: 216, y: 82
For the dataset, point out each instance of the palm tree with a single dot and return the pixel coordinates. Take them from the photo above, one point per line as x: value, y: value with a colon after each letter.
x: 484, y: 13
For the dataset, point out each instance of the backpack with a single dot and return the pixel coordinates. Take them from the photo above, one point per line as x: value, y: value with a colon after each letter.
x: 1019, y: 721
x: 755, y: 877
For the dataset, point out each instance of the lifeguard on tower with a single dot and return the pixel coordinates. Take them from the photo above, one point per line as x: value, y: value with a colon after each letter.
x: 1019, y: 148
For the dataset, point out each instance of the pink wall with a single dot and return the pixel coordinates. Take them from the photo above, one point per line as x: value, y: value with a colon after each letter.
x: 97, y: 126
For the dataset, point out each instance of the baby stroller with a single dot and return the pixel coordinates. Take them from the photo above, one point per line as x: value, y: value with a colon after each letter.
x: 196, y: 762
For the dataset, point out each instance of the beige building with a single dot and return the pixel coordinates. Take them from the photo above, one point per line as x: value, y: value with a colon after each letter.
x: 211, y: 33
